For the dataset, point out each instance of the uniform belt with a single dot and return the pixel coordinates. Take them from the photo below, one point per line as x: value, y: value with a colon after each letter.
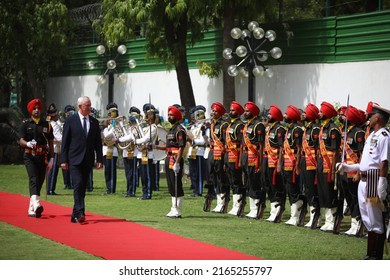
x: 38, y: 151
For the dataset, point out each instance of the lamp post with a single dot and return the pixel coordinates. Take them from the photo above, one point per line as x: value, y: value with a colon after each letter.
x: 251, y: 55
x: 111, y: 69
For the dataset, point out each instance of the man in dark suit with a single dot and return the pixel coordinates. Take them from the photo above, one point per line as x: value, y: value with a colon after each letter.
x: 80, y: 141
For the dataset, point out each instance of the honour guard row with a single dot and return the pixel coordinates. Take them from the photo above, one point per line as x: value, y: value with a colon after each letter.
x: 327, y: 162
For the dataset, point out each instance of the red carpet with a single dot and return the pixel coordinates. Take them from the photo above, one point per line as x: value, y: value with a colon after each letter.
x: 129, y: 241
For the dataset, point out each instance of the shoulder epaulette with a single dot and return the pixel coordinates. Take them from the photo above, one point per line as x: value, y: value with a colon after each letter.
x: 384, y: 133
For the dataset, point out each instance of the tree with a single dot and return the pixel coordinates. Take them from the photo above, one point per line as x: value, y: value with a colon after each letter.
x: 169, y: 27
x: 34, y: 37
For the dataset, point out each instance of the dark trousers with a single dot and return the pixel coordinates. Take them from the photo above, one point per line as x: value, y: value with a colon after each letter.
x: 131, y: 173
x: 218, y: 175
x: 148, y: 178
x: 52, y: 176
x: 36, y: 169
x: 80, y: 174
x: 293, y: 187
x: 326, y: 191
x: 110, y: 173
x: 277, y: 184
x: 197, y: 171
x: 67, y: 180
x: 174, y: 181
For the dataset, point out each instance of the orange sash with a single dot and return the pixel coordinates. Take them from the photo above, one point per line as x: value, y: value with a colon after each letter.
x: 311, y: 162
x: 326, y: 155
x: 232, y: 149
x: 253, y: 154
x: 218, y: 146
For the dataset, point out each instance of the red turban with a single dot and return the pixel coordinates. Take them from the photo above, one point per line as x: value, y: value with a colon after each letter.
x: 328, y: 110
x: 369, y: 106
x: 219, y: 108
x: 276, y: 113
x: 32, y: 104
x: 252, y: 107
x: 353, y: 115
x: 311, y: 112
x: 175, y: 112
x: 236, y: 106
x: 342, y: 110
x: 362, y: 116
x: 293, y: 113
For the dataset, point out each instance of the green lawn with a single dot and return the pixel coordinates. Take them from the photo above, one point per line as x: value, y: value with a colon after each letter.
x: 253, y: 237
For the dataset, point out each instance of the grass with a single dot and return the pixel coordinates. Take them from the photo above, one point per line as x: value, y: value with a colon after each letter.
x: 254, y: 237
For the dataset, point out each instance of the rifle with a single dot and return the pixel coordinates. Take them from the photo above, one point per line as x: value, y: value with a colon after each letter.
x: 242, y: 201
x: 261, y: 207
x: 226, y: 199
x: 208, y: 199
x: 340, y: 206
x: 302, y: 215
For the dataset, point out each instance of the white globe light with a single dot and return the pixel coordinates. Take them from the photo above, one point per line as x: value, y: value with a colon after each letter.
x: 252, y: 25
x: 111, y: 64
x: 122, y: 78
x: 245, y: 34
x: 269, y: 73
x: 276, y: 53
x: 232, y: 70
x: 270, y: 35
x: 91, y: 65
x: 100, y: 49
x: 243, y: 72
x: 258, y: 71
x: 132, y: 63
x: 262, y: 56
x: 122, y: 49
x: 235, y: 33
x: 258, y: 33
x: 241, y: 51
x: 100, y: 80
x: 227, y: 53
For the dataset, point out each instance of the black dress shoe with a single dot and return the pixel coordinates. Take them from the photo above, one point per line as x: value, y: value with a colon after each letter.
x: 76, y: 220
x: 52, y: 193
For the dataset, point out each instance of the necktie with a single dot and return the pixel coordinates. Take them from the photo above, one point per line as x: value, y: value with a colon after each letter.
x: 85, y: 126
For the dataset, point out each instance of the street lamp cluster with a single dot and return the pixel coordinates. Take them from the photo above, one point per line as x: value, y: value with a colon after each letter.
x: 251, y: 55
x: 111, y: 69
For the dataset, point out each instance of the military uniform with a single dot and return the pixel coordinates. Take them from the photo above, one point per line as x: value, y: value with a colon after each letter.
x: 36, y: 137
x: 253, y: 143
x: 274, y: 142
x: 233, y: 141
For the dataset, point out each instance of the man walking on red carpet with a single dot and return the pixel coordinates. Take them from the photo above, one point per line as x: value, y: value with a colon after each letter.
x: 80, y: 141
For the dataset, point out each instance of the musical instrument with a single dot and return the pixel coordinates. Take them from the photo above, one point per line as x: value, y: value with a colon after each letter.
x: 120, y: 127
x: 161, y: 139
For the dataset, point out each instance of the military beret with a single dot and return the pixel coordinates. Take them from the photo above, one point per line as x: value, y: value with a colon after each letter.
x: 147, y: 107
x: 52, y: 110
x: 111, y: 106
x: 134, y: 109
x: 69, y: 108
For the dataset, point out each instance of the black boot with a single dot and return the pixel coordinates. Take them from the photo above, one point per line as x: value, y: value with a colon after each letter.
x: 380, y: 244
x: 371, y: 244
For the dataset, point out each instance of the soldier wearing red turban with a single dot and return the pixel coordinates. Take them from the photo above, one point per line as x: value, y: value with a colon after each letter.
x: 174, y: 162
x: 216, y: 160
x: 252, y: 160
x: 310, y: 146
x: 291, y: 164
x: 353, y: 149
x: 36, y: 138
x: 274, y: 142
x: 329, y: 148
x: 233, y: 154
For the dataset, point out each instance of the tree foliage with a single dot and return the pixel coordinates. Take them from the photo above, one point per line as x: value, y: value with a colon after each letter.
x: 34, y: 36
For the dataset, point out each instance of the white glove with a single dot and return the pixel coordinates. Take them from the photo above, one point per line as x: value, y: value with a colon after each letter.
x: 128, y: 137
x: 382, y: 188
x: 176, y: 167
x: 31, y: 144
x: 347, y: 167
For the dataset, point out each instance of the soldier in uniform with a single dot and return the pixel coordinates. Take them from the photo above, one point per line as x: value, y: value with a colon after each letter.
x: 309, y: 149
x: 94, y: 113
x: 292, y: 164
x: 372, y: 189
x: 69, y: 111
x: 36, y: 138
x: 253, y: 138
x: 233, y: 141
x: 110, y: 151
x: 328, y: 153
x: 56, y: 127
x: 130, y: 160
x: 216, y: 157
x: 174, y: 162
x: 353, y: 148
x: 196, y: 161
x: 274, y: 142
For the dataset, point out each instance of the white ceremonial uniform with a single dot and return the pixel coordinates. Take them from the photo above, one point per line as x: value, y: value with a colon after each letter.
x: 376, y: 150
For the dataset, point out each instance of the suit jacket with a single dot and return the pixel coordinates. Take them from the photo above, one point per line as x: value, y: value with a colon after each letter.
x: 76, y: 147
